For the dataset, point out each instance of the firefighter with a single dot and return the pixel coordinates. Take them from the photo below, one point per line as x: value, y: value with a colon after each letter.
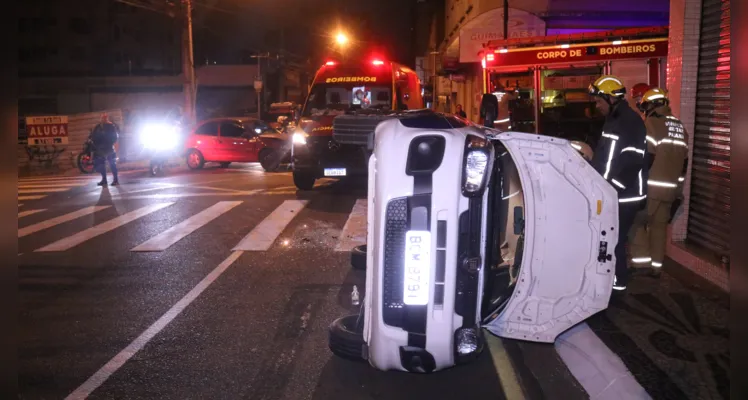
x: 667, y: 145
x: 503, y: 120
x: 637, y: 92
x: 619, y: 158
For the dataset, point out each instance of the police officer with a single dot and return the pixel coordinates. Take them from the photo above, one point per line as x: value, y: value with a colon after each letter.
x: 104, y: 135
x: 667, y: 144
x: 619, y: 158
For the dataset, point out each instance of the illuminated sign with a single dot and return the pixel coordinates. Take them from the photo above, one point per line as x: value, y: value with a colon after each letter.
x: 579, y: 53
x: 351, y: 79
x: 322, y: 128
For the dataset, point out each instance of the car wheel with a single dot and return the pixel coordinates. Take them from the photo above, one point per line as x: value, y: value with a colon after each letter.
x: 358, y: 257
x: 303, y: 181
x: 267, y: 161
x: 346, y: 338
x: 225, y: 164
x: 195, y: 160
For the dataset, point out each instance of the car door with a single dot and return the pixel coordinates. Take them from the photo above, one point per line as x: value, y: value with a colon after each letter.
x: 206, y: 140
x: 561, y: 218
x: 236, y: 145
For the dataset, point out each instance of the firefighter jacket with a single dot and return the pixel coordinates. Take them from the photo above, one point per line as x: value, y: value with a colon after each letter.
x: 620, y: 153
x: 667, y: 144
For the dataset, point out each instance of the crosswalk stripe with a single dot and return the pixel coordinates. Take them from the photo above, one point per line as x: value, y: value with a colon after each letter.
x: 50, y: 185
x: 104, y: 227
x: 178, y: 232
x: 354, y: 231
x: 42, y: 190
x: 29, y: 212
x: 31, y: 197
x: 59, y: 220
x: 263, y: 235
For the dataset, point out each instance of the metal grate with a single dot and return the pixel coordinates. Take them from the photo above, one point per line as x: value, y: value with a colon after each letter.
x: 356, y: 129
x: 709, y: 209
x: 396, y: 225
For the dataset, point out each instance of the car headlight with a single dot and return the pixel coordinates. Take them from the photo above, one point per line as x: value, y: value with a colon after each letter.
x: 159, y: 136
x: 299, y: 137
x: 475, y: 165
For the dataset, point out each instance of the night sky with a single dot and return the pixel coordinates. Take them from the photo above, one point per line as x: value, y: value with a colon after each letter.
x: 227, y: 31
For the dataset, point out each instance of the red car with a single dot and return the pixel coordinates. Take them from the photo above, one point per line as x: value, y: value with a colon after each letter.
x: 227, y: 140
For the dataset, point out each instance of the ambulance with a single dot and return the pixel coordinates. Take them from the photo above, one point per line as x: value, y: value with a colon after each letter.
x: 369, y: 87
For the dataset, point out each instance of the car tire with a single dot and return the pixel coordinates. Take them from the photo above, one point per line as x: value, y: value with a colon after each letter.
x: 266, y: 160
x: 345, y: 339
x: 358, y: 257
x: 195, y: 160
x: 225, y: 164
x: 303, y: 181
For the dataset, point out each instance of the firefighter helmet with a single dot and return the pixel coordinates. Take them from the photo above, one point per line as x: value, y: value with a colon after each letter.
x: 638, y: 90
x: 607, y: 85
x: 653, y: 98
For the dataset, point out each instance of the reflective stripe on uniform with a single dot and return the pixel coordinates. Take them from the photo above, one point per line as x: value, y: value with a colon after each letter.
x: 681, y: 179
x: 661, y: 184
x: 641, y: 184
x: 641, y: 260
x: 501, y: 121
x: 656, y: 264
x: 632, y: 199
x: 610, y: 154
x: 652, y: 140
x: 610, y: 136
x: 634, y: 149
x: 673, y: 141
x: 619, y: 184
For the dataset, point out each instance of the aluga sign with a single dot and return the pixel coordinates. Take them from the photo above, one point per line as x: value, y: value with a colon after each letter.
x: 49, y: 130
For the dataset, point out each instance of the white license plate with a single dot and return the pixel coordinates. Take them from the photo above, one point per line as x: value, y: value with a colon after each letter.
x: 417, y: 268
x: 334, y: 171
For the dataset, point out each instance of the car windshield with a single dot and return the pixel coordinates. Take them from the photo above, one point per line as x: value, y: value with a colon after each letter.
x: 336, y: 99
x: 506, y: 232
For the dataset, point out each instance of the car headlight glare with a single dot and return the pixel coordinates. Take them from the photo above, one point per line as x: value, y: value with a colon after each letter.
x: 299, y: 138
x: 476, y: 163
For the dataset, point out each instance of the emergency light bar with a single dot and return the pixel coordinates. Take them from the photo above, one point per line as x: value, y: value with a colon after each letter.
x: 378, y: 62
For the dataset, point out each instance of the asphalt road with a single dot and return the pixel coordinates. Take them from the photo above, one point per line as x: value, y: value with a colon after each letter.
x: 139, y: 291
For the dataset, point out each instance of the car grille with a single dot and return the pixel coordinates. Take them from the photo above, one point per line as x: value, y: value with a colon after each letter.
x: 396, y: 225
x: 356, y: 129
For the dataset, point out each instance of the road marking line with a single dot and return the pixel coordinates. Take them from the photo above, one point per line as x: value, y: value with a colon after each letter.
x: 30, y: 212
x: 42, y: 190
x: 100, y: 376
x: 50, y: 185
x: 31, y: 197
x: 59, y: 220
x: 354, y: 231
x: 601, y: 372
x: 181, y: 195
x: 58, y: 179
x: 264, y: 234
x: 178, y: 232
x: 503, y: 365
x: 104, y: 227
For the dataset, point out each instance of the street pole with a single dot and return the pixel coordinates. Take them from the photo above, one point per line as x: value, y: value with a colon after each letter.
x: 259, y: 92
x: 188, y: 66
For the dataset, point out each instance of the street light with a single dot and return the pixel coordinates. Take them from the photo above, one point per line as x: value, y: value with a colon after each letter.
x: 341, y: 39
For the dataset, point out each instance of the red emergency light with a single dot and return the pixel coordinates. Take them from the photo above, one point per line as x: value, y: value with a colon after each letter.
x: 489, y: 57
x: 330, y: 63
x: 378, y: 62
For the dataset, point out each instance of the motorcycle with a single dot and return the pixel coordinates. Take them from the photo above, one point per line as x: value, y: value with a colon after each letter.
x: 85, y: 158
x: 161, y: 140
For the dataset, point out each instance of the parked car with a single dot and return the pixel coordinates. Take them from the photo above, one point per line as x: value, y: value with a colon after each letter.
x: 227, y: 140
x: 472, y: 228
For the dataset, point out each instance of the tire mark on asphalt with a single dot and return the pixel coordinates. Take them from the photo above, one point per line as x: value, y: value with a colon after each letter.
x: 277, y: 369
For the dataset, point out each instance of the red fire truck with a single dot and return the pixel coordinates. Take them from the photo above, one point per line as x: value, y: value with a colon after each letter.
x: 371, y: 87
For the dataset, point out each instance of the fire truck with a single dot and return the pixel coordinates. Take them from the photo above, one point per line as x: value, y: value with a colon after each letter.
x: 334, y: 136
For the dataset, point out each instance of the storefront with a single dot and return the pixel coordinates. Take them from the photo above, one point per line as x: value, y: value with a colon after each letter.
x: 551, y: 75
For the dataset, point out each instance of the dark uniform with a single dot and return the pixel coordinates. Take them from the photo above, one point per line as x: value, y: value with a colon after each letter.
x: 104, y: 136
x: 489, y: 109
x: 619, y: 158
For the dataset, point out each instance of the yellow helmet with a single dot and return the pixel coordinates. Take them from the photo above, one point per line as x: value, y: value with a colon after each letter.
x: 654, y: 95
x: 609, y: 85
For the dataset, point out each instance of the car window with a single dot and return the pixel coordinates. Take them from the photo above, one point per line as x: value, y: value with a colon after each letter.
x: 231, y: 129
x: 208, y: 129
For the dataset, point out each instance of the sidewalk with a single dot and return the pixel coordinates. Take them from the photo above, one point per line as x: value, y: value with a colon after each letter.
x: 672, y: 334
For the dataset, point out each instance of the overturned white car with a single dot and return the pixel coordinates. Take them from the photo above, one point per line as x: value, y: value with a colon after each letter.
x: 471, y: 228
